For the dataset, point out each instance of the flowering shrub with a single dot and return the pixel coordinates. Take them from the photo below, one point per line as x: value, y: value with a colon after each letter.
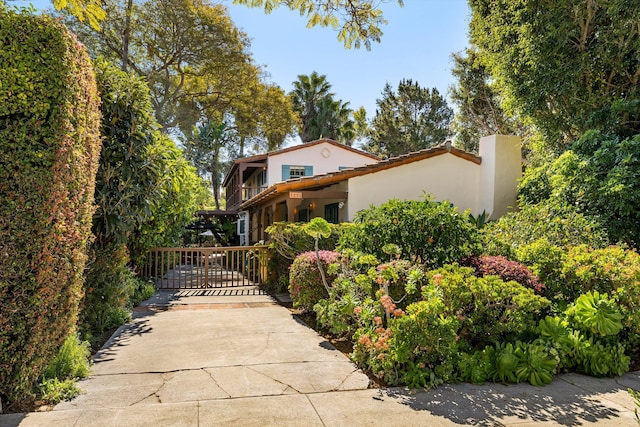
x: 403, y: 353
x: 305, y: 282
x: 288, y: 240
x: 356, y: 287
x: 504, y: 268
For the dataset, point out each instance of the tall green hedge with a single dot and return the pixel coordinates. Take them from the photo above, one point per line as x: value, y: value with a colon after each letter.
x: 49, y: 149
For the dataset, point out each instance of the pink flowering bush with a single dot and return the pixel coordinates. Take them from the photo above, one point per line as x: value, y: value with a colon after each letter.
x: 403, y: 352
x: 305, y: 282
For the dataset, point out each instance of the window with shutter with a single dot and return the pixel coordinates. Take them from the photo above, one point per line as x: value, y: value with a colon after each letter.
x: 296, y: 171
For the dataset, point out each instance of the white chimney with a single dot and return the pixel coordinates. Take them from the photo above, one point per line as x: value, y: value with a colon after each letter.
x: 500, y: 171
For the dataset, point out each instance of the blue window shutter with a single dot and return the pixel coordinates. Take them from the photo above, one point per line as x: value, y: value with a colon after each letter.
x: 308, y: 170
x: 285, y: 172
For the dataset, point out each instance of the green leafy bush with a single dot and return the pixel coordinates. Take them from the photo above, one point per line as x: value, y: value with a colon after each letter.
x: 110, y: 285
x: 49, y: 149
x: 181, y: 192
x: 426, y: 232
x: 403, y: 353
x: 143, y: 290
x: 546, y: 262
x: 558, y: 224
x: 490, y: 310
x: 306, y: 287
x: 432, y: 352
x: 288, y: 240
x: 53, y: 391
x: 58, y: 381
x: 72, y: 360
x: 597, y: 176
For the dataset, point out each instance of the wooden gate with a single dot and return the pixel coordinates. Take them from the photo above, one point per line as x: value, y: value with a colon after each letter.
x: 218, y: 267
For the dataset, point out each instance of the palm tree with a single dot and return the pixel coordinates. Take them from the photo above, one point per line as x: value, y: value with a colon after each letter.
x: 308, y: 92
x: 320, y: 114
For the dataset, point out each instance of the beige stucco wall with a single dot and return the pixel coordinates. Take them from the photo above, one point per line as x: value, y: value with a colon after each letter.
x: 324, y: 158
x: 446, y: 177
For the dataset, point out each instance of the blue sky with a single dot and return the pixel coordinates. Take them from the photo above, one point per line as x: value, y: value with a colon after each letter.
x: 417, y: 44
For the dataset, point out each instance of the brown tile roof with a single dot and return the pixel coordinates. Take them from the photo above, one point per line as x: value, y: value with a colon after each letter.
x: 335, y: 177
x: 323, y: 141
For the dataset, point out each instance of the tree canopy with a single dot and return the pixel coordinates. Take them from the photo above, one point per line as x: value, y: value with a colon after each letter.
x: 479, y: 111
x: 568, y: 65
x: 196, y: 62
x: 357, y: 21
x: 598, y: 176
x: 411, y: 119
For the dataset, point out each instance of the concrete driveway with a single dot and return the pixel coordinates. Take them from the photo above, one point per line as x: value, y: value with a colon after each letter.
x: 236, y: 357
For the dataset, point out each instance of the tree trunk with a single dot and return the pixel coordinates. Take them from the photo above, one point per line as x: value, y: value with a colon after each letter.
x: 125, y: 36
x: 215, y: 185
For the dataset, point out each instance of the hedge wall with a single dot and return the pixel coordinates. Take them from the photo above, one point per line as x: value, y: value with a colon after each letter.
x: 49, y: 149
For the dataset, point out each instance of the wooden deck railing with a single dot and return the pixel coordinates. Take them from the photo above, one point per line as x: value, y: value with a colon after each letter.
x: 216, y: 267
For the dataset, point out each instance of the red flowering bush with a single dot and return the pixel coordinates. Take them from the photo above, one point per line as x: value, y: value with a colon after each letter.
x: 305, y: 282
x: 504, y: 268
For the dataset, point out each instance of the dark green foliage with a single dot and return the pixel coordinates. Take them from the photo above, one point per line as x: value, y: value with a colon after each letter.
x: 127, y: 181
x: 288, y: 240
x: 568, y: 66
x: 180, y: 193
x: 49, y: 148
x: 110, y: 285
x: 412, y: 119
x: 427, y: 232
x: 600, y: 177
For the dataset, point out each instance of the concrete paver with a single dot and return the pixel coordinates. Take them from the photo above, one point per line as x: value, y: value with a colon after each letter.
x: 199, y: 358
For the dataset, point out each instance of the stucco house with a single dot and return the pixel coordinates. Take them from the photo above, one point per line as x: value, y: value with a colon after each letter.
x: 326, y: 179
x: 249, y: 177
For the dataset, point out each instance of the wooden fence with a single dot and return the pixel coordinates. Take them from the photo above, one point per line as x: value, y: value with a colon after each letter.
x: 216, y: 267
